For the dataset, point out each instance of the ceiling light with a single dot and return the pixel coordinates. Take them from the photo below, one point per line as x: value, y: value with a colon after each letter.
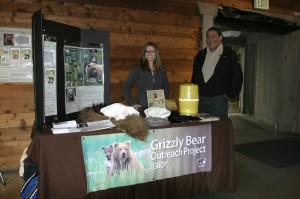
x: 231, y: 33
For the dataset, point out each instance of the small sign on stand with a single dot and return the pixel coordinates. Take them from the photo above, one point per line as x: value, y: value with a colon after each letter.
x: 261, y: 4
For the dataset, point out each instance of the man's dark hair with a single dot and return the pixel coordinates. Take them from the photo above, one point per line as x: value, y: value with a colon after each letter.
x: 216, y: 30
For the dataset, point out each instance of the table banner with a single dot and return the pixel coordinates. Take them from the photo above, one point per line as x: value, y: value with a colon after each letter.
x: 115, y: 160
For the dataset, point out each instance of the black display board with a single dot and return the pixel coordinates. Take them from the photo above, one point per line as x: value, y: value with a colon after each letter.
x: 64, y: 35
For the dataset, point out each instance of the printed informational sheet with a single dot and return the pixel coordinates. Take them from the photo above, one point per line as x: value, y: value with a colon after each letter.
x: 50, y: 77
x: 15, y: 55
x: 84, y: 77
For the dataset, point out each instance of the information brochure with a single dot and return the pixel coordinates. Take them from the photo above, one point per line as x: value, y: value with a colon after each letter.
x: 156, y: 98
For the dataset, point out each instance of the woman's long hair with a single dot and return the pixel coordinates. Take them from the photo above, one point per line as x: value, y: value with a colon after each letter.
x: 143, y: 62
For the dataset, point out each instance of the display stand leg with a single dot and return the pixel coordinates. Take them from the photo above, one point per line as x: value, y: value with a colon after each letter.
x: 2, y: 179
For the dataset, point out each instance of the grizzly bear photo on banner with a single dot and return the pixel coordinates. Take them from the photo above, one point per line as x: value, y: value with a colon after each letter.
x: 115, y: 160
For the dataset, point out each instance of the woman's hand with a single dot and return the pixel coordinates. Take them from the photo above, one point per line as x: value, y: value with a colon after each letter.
x: 136, y: 106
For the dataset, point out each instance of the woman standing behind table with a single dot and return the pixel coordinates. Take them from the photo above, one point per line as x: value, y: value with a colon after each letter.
x: 148, y: 74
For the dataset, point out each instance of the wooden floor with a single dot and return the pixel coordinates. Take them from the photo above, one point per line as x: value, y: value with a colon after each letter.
x: 255, y: 180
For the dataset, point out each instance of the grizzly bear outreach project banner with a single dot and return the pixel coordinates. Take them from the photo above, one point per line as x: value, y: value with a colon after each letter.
x: 115, y: 160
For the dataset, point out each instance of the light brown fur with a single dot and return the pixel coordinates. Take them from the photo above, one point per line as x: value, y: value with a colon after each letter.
x: 133, y: 125
x: 90, y: 114
x: 124, y: 159
x: 108, y: 150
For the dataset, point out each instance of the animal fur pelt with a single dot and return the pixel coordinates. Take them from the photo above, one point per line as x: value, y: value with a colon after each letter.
x: 133, y: 125
x: 90, y: 114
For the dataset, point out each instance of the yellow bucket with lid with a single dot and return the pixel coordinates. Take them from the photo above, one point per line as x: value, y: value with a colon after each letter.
x: 188, y: 99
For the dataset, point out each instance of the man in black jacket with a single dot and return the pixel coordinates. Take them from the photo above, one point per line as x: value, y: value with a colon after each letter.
x: 218, y: 73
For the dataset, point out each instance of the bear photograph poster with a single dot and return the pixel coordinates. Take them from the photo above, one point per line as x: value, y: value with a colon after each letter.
x: 84, y: 75
x: 115, y: 160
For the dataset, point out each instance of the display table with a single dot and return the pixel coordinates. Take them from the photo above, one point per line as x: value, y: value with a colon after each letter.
x: 62, y: 171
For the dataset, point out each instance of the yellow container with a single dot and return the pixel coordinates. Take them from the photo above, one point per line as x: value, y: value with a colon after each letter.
x: 188, y: 99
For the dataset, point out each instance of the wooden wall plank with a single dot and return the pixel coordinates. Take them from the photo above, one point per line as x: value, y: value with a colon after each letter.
x: 16, y: 116
x: 134, y: 28
x: 13, y: 147
x: 15, y: 134
x: 17, y: 105
x: 164, y: 41
x: 186, y: 7
x: 21, y: 123
x: 16, y: 90
x: 124, y: 16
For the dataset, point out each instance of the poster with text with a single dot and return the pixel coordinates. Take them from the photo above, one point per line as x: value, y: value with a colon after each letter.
x: 15, y: 55
x: 50, y: 69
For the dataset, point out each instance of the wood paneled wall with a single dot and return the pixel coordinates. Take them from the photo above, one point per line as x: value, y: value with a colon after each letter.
x: 16, y: 119
x: 174, y: 24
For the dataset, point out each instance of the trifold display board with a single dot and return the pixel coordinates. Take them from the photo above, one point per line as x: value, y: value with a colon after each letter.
x: 70, y: 68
